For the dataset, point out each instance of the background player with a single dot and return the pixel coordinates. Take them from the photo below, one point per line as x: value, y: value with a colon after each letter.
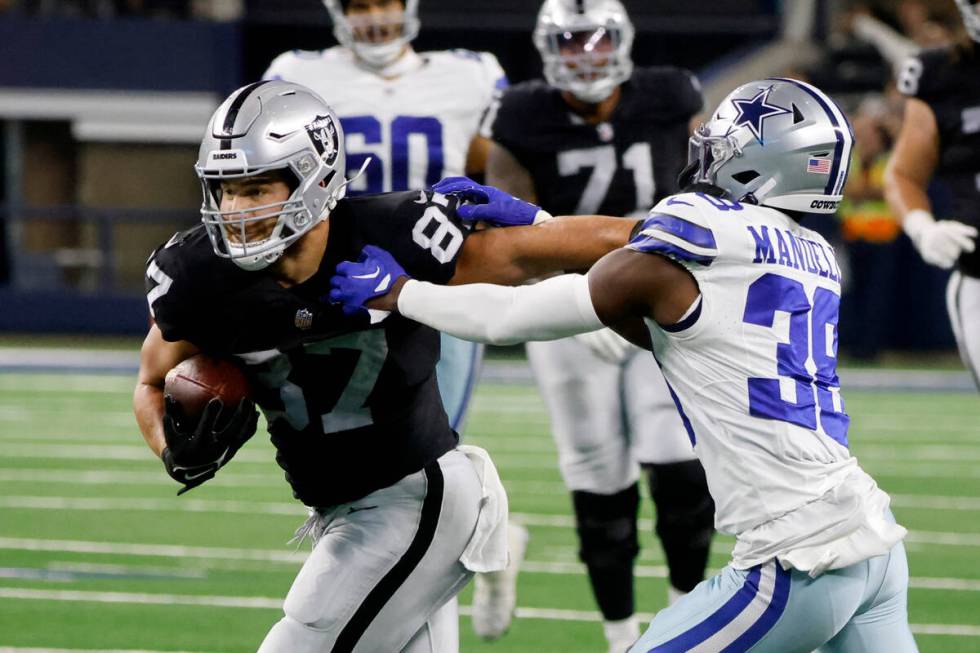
x: 740, y: 303
x: 417, y: 116
x: 941, y: 136
x: 602, y: 137
x: 400, y: 518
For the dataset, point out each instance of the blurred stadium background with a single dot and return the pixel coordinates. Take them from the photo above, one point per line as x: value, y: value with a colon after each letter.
x: 102, y: 105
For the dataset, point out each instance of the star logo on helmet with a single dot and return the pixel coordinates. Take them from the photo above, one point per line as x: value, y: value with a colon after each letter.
x: 753, y: 113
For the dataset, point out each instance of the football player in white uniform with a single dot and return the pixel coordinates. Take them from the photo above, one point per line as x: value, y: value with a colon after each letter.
x: 416, y: 116
x: 739, y: 303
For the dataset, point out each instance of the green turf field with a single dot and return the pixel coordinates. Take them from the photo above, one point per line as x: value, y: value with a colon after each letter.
x: 97, y: 552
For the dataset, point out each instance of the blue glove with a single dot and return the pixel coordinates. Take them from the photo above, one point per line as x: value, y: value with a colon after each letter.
x: 373, y: 275
x: 492, y: 205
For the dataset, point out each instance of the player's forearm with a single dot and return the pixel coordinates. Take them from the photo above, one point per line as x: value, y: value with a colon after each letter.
x: 514, y: 255
x: 148, y: 407
x: 552, y: 309
x: 904, y: 193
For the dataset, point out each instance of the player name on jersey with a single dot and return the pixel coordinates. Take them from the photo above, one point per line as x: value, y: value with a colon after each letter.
x: 793, y: 251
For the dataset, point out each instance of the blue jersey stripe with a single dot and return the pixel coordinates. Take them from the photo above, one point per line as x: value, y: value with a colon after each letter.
x: 652, y: 245
x: 687, y: 322
x: 837, y: 177
x: 683, y: 229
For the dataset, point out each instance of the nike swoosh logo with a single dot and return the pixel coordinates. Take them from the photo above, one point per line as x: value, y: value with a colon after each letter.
x: 383, y: 286
x: 373, y: 275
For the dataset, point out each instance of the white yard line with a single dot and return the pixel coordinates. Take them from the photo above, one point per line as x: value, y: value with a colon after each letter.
x: 21, y: 649
x: 297, y: 511
x: 268, y: 603
x: 296, y: 557
x: 105, y: 452
x: 156, y: 477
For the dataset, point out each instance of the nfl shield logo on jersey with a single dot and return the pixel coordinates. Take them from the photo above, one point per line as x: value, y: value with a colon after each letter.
x: 304, y: 319
x: 323, y: 134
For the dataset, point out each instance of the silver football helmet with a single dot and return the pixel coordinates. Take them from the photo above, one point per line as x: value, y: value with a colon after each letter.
x: 586, y: 46
x: 367, y: 35
x: 971, y: 17
x: 775, y: 142
x: 271, y: 127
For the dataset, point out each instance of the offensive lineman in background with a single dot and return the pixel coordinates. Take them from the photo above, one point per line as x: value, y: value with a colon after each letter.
x: 941, y: 135
x: 601, y: 137
x: 417, y: 117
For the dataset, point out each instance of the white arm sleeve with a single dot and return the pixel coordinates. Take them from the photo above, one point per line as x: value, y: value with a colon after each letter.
x: 500, y: 315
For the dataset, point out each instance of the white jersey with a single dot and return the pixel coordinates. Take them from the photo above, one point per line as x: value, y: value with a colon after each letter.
x: 416, y: 127
x: 753, y: 368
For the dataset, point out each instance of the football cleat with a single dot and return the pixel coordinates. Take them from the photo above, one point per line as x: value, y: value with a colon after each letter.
x: 621, y: 634
x: 495, y: 593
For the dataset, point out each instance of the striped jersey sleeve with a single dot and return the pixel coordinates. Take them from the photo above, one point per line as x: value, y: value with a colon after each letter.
x: 675, y: 229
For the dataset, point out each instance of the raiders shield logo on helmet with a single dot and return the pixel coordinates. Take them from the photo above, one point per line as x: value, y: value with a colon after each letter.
x: 323, y: 134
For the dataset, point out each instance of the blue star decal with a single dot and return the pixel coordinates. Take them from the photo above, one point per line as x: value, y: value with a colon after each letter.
x: 753, y: 113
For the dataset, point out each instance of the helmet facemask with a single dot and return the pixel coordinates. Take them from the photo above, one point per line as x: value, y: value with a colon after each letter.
x: 377, y: 38
x: 970, y: 9
x: 257, y: 236
x: 587, y: 54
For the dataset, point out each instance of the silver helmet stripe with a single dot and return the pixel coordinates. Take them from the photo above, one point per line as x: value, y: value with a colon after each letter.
x: 842, y: 128
x: 228, y: 124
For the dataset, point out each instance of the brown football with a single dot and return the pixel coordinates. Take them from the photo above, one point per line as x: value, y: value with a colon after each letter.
x: 199, y: 379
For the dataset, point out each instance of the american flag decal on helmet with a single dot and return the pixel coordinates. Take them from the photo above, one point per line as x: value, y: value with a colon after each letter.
x: 819, y: 166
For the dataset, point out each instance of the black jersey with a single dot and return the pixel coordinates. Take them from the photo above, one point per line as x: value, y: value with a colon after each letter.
x: 949, y: 82
x: 352, y: 407
x: 620, y: 167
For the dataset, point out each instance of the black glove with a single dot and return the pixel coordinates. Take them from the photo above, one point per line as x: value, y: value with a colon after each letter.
x: 194, y: 455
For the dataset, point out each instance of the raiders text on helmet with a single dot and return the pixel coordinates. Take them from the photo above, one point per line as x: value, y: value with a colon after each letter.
x: 261, y: 128
x: 585, y: 46
x: 351, y: 32
x: 776, y: 142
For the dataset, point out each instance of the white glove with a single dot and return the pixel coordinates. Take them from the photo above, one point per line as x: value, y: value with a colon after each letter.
x: 939, y: 242
x: 607, y: 345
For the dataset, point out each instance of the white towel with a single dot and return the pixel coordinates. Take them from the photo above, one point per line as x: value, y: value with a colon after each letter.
x: 487, y: 549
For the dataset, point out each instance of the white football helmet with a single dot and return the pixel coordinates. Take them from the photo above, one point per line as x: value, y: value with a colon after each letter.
x: 775, y: 142
x: 971, y: 17
x: 367, y: 35
x: 586, y: 46
x: 265, y: 127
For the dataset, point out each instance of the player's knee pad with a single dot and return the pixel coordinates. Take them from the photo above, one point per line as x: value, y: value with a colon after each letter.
x: 606, y: 525
x: 685, y: 518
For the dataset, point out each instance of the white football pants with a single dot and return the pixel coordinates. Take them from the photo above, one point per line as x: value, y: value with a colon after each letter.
x: 385, y: 568
x: 606, y: 418
x: 963, y: 303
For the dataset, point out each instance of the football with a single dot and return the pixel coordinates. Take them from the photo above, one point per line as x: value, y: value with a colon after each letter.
x: 199, y: 379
